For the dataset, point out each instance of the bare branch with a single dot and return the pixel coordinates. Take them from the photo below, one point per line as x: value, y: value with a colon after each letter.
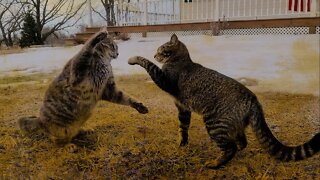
x: 109, y: 15
x: 69, y: 13
x: 10, y: 19
x: 101, y: 15
x: 55, y: 15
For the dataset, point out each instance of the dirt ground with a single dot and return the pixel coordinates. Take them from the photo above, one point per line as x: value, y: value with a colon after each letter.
x: 129, y: 145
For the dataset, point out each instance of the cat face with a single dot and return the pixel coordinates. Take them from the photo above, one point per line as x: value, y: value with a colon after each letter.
x: 111, y: 48
x: 171, y: 51
x: 103, y: 43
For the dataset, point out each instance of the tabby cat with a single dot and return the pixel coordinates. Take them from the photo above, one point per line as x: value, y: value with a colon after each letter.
x: 226, y: 105
x: 71, y: 97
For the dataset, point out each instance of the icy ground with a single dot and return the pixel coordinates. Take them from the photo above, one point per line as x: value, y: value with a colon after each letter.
x: 286, y: 63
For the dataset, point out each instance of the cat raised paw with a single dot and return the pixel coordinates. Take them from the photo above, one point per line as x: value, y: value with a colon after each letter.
x: 134, y: 60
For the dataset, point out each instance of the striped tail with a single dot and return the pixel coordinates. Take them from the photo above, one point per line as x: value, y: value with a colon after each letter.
x: 276, y: 148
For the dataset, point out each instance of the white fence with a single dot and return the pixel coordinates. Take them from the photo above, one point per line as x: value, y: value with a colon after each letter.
x: 143, y: 12
x: 201, y: 10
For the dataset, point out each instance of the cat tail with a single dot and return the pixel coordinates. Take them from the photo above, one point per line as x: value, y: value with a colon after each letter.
x: 31, y: 126
x: 274, y: 146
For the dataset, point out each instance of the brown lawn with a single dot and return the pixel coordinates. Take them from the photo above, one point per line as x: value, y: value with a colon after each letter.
x: 127, y: 144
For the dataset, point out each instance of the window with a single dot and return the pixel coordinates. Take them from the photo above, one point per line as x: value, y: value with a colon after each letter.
x: 187, y: 1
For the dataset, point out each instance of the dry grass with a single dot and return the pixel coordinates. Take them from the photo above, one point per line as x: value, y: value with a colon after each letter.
x: 127, y: 144
x: 13, y: 50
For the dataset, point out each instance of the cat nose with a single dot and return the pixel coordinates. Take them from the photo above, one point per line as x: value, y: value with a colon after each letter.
x: 155, y: 56
x: 117, y: 54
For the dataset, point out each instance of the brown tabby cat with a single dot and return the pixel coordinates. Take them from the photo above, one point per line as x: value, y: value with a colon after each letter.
x: 226, y: 105
x: 71, y: 97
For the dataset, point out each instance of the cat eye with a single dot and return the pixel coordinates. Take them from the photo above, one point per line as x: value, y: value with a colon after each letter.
x: 113, y: 46
x: 105, y: 44
x: 166, y: 53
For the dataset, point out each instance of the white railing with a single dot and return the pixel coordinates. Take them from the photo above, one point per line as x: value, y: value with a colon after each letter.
x: 147, y: 12
x: 213, y: 10
x: 143, y: 12
x: 266, y: 9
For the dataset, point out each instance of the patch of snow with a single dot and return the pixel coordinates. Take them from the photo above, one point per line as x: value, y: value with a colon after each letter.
x: 287, y: 63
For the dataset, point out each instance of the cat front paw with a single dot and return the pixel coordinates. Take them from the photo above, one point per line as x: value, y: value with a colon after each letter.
x: 134, y: 60
x: 140, y: 108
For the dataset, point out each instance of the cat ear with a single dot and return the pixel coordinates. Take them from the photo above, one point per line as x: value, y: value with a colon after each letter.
x: 106, y: 43
x: 98, y: 38
x: 174, y: 39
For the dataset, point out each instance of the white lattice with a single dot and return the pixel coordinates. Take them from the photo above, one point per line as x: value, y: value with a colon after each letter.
x: 180, y: 33
x: 252, y: 31
x: 318, y: 30
x: 261, y: 31
x: 169, y: 33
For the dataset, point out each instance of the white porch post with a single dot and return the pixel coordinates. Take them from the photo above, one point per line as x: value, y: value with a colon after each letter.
x: 216, y: 12
x: 90, y: 21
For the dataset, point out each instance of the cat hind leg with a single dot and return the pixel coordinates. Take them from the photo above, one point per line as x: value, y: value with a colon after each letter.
x: 62, y: 137
x: 242, y: 141
x: 219, y: 131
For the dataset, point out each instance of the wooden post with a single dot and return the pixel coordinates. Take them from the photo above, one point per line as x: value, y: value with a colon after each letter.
x: 312, y: 30
x: 144, y: 34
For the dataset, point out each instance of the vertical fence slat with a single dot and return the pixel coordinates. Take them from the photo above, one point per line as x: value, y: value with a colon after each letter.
x: 202, y: 10
x: 212, y: 9
x: 256, y: 9
x: 274, y: 8
x: 267, y: 7
x: 207, y: 12
x: 192, y: 11
x: 244, y: 8
x: 239, y: 2
x: 228, y: 9
x: 250, y: 5
x: 261, y: 8
x: 145, y: 12
x: 197, y: 10
x: 223, y: 10
x: 233, y: 8
x: 216, y: 14
x: 286, y: 11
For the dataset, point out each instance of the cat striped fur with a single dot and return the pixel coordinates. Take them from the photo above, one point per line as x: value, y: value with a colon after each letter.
x: 227, y: 106
x: 72, y: 95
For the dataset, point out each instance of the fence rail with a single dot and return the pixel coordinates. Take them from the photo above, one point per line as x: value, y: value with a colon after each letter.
x: 150, y: 12
x: 310, y: 24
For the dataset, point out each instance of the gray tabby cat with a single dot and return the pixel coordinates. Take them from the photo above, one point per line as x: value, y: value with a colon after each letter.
x: 226, y: 105
x: 71, y: 97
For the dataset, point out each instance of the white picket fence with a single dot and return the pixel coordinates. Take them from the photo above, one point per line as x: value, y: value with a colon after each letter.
x: 148, y: 12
